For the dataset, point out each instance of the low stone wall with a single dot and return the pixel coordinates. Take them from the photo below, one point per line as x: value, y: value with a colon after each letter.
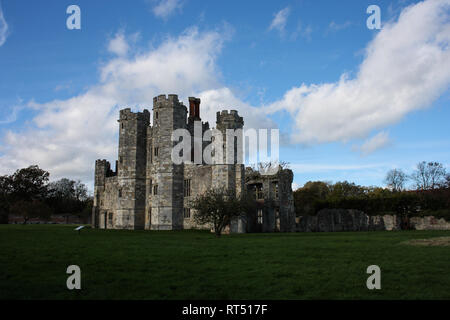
x: 331, y: 220
x: 54, y: 219
x: 429, y: 223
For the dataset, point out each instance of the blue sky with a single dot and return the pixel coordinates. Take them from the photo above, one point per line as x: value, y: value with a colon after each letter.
x: 351, y: 103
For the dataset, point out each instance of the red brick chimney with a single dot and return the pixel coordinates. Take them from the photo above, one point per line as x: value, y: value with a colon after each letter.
x: 194, y: 108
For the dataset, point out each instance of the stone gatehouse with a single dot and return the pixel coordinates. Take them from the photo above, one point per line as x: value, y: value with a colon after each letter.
x: 147, y: 190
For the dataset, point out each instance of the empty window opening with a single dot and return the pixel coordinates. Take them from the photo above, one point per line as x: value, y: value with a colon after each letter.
x: 187, y: 188
x: 260, y: 216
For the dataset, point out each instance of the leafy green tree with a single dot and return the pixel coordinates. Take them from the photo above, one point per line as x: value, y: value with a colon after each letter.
x: 308, y: 197
x: 29, y: 209
x: 81, y: 191
x: 63, y: 188
x: 29, y: 183
x: 23, y: 189
x: 218, y: 207
x: 67, y: 196
x: 346, y: 189
x: 68, y: 189
x: 5, y: 198
x: 28, y: 188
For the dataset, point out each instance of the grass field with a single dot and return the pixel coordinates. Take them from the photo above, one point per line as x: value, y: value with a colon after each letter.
x: 119, y: 264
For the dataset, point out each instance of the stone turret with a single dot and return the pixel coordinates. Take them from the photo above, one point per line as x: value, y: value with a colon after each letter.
x: 165, y: 179
x: 102, y: 170
x: 229, y: 123
x: 132, y: 169
x: 230, y: 173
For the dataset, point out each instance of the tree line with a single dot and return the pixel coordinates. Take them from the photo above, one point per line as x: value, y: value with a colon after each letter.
x: 29, y: 194
x: 429, y: 194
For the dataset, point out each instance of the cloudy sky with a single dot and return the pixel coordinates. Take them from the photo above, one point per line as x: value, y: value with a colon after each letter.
x: 350, y: 102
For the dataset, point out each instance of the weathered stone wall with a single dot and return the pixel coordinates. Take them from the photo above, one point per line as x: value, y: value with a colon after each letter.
x: 200, y: 176
x: 169, y: 114
x: 227, y: 171
x: 332, y: 220
x: 429, y: 223
x: 130, y: 213
x: 110, y: 203
x: 278, y: 203
x: 105, y: 195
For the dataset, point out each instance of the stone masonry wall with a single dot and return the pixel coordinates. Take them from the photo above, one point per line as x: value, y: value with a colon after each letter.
x: 429, y: 223
x: 200, y: 182
x: 167, y: 202
x: 332, y: 220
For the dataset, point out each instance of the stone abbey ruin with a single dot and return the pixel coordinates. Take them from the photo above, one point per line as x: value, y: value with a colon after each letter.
x: 147, y: 190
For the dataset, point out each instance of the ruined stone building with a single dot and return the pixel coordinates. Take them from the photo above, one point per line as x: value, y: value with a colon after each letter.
x: 147, y: 190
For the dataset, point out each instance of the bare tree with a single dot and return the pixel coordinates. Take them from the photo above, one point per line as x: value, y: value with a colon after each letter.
x: 429, y: 175
x: 395, y: 179
x: 447, y: 181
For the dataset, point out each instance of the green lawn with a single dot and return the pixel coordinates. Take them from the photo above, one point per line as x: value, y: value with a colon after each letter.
x: 119, y: 264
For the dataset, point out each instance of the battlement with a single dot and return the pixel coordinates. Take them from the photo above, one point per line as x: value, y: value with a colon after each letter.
x: 102, y: 163
x: 163, y: 98
x: 102, y: 171
x: 127, y: 114
x: 229, y: 116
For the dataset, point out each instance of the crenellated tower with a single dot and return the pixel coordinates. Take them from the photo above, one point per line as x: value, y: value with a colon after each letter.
x: 132, y: 169
x: 164, y: 178
x: 230, y: 125
x: 229, y: 173
x: 102, y: 171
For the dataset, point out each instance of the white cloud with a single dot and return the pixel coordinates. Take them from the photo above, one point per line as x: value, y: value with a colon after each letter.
x: 12, y: 115
x: 280, y: 19
x: 166, y: 7
x: 378, y: 141
x: 304, y: 32
x: 3, y: 27
x: 316, y: 167
x: 406, y: 68
x: 223, y: 98
x: 333, y: 26
x: 118, y: 45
